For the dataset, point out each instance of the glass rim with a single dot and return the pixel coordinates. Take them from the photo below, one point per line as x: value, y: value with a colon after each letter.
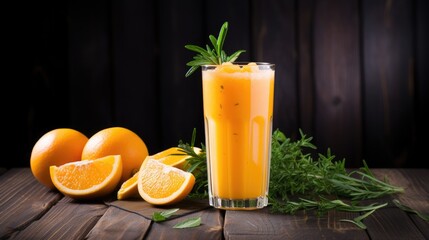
x: 243, y: 63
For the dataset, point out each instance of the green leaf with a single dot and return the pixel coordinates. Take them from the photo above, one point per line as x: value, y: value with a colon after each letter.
x: 358, y: 220
x: 370, y: 210
x: 214, y: 42
x: 164, y: 215
x: 189, y: 223
x: 198, y: 62
x: 410, y: 210
x: 222, y: 35
x: 191, y: 70
x: 196, y: 49
x: 235, y: 55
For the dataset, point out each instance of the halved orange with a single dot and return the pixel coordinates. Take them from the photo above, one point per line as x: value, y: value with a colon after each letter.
x: 88, y: 179
x: 172, y: 156
x: 160, y: 184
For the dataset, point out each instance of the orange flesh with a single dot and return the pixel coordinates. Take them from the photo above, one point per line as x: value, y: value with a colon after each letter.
x: 97, y: 174
x: 162, y: 185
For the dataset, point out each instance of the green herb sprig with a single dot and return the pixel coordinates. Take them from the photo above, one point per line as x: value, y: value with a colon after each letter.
x: 211, y: 56
x: 293, y: 171
x: 294, y: 174
x: 197, y: 165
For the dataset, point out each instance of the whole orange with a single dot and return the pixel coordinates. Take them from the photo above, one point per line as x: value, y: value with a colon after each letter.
x: 117, y: 141
x: 56, y: 147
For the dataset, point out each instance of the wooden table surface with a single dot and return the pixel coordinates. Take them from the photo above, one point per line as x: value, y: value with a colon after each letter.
x: 29, y: 210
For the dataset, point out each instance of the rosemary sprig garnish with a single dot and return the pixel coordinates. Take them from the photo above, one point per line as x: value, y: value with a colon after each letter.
x: 211, y: 56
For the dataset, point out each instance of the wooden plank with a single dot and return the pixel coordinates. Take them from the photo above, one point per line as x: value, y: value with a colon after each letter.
x: 392, y: 222
x: 23, y: 201
x: 414, y: 182
x: 388, y: 223
x: 90, y: 79
x: 181, y: 108
x: 338, y: 112
x: 134, y: 41
x: 73, y: 219
x: 421, y: 224
x: 145, y: 209
x: 273, y: 39
x: 210, y: 228
x: 388, y: 91
x: 64, y: 221
x: 422, y: 84
x: 119, y: 224
x: 261, y: 224
x: 306, y: 84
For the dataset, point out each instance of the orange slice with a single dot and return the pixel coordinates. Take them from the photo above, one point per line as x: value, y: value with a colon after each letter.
x: 129, y: 188
x: 160, y: 184
x: 88, y: 179
x: 171, y: 156
x: 174, y: 157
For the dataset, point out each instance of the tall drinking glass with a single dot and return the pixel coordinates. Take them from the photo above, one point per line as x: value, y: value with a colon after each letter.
x: 238, y: 113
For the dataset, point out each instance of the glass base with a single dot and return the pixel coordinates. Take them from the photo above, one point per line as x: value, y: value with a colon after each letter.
x: 238, y: 204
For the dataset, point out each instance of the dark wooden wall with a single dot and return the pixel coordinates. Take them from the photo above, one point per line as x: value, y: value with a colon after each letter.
x: 353, y: 74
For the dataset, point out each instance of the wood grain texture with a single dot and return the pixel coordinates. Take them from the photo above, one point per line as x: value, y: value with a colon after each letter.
x: 413, y: 181
x: 391, y: 224
x: 422, y: 84
x: 31, y: 211
x: 262, y: 224
x: 145, y: 209
x: 388, y: 220
x: 422, y: 225
x: 119, y: 224
x: 338, y: 109
x: 23, y: 200
x: 64, y: 221
x: 305, y: 61
x: 388, y: 71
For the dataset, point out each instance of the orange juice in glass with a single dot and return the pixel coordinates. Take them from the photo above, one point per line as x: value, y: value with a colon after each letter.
x: 238, y: 113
